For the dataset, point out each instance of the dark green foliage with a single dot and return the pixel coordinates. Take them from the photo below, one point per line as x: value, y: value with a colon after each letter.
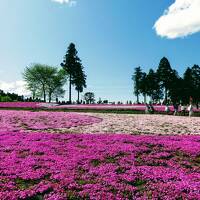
x: 144, y: 86
x: 89, y: 97
x: 9, y: 97
x: 187, y: 85
x: 195, y: 93
x: 25, y: 184
x: 44, y: 80
x: 154, y: 89
x: 175, y: 88
x: 95, y: 162
x: 137, y: 182
x: 165, y: 72
x: 74, y: 69
x: 79, y: 79
x: 69, y: 65
x: 137, y: 78
x: 166, y: 81
x: 70, y: 60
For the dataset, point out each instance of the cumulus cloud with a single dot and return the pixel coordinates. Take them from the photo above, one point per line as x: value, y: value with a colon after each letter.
x: 69, y: 2
x: 18, y: 87
x: 181, y: 19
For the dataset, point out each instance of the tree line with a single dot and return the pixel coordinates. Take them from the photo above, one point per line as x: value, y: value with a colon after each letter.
x: 48, y: 81
x: 166, y: 84
x: 9, y: 97
x: 13, y: 97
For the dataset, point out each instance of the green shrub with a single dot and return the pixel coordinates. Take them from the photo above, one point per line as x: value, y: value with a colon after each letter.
x: 5, y: 99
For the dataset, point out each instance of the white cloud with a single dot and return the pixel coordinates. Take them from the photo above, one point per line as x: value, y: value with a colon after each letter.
x: 69, y: 2
x: 181, y: 19
x: 18, y: 87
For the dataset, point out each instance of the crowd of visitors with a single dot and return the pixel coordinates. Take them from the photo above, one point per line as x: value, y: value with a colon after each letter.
x: 182, y: 109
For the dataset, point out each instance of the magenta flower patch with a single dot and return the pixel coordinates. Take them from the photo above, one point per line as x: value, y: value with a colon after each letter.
x: 19, y: 105
x: 26, y: 120
x: 59, y: 166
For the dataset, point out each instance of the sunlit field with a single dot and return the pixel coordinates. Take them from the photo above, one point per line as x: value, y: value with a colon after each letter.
x: 99, y: 100
x: 51, y: 155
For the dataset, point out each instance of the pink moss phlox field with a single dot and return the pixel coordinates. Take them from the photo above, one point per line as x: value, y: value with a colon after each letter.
x: 142, y: 124
x: 26, y: 120
x: 97, y: 107
x: 34, y: 105
x: 138, y: 107
x: 19, y: 105
x: 84, y: 166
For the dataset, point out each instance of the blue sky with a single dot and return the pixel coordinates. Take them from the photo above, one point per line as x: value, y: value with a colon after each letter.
x: 112, y: 37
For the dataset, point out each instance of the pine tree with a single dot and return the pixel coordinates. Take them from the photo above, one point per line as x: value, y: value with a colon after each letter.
x: 195, y: 72
x: 164, y: 72
x: 154, y: 90
x: 69, y: 64
x: 79, y: 80
x: 144, y: 86
x: 137, y: 78
x: 176, y: 88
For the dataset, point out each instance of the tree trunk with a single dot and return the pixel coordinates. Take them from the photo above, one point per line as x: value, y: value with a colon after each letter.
x: 145, y: 98
x: 78, y: 96
x: 44, y: 93
x: 70, y: 89
x: 33, y: 95
x: 137, y: 98
x: 49, y: 97
x: 165, y: 95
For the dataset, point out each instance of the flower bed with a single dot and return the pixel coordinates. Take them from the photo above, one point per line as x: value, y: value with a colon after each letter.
x: 142, y: 124
x: 26, y: 120
x: 54, y: 106
x: 19, y: 105
x: 60, y: 166
x: 137, y: 107
x: 96, y: 107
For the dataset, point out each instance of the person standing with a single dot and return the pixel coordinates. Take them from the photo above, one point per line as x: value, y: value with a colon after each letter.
x: 175, y: 109
x: 190, y: 109
x: 183, y: 109
x: 151, y: 108
x: 146, y: 108
x: 167, y: 110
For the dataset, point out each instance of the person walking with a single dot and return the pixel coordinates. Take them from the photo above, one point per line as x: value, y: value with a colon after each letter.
x: 167, y: 110
x: 175, y: 109
x: 190, y: 109
x: 183, y: 109
x: 151, y: 108
x: 146, y: 108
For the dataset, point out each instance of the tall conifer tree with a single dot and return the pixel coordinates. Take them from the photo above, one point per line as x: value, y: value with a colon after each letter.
x: 69, y: 64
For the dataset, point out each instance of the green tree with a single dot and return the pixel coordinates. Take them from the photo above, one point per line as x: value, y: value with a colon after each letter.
x: 188, y: 87
x: 36, y: 78
x: 10, y: 97
x: 137, y: 78
x: 195, y: 72
x: 89, y: 97
x: 176, y: 88
x: 55, y: 84
x: 79, y: 80
x: 5, y: 99
x: 69, y: 64
x: 143, y: 87
x: 164, y: 73
x: 43, y: 80
x: 154, y: 90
